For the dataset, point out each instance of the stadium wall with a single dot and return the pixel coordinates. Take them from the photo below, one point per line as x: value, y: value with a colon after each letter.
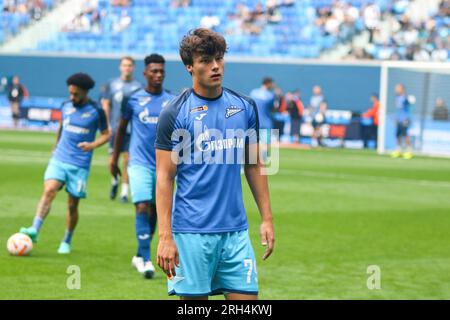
x: 347, y: 86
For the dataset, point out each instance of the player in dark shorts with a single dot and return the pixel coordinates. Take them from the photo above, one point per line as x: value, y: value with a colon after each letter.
x: 116, y: 90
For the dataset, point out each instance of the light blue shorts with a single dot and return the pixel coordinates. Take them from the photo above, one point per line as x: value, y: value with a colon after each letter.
x: 75, y: 178
x: 214, y: 263
x: 265, y: 136
x: 142, y: 183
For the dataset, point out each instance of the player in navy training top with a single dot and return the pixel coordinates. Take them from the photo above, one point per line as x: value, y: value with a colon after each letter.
x: 117, y: 90
x: 142, y: 110
x: 71, y: 160
x: 203, y: 137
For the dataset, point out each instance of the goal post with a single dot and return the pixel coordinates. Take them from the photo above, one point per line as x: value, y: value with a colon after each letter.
x: 427, y: 87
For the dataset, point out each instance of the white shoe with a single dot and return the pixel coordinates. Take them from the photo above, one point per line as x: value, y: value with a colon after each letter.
x: 138, y: 263
x: 149, y: 270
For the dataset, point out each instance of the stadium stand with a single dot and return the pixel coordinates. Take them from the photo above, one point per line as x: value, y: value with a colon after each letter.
x: 18, y: 13
x: 273, y: 28
x: 266, y: 28
x: 412, y: 30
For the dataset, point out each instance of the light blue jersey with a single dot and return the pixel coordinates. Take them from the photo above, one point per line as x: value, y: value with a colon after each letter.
x: 142, y: 110
x: 116, y: 90
x: 264, y: 100
x: 79, y: 124
x: 315, y: 102
x: 402, y: 109
x: 208, y: 197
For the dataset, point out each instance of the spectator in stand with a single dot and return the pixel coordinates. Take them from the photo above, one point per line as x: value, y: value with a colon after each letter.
x: 180, y: 3
x: 16, y: 93
x: 440, y: 53
x: 273, y: 14
x: 120, y: 3
x: 373, y: 114
x: 372, y: 18
x: 210, y: 21
x: 122, y: 22
x: 257, y: 19
x: 440, y: 112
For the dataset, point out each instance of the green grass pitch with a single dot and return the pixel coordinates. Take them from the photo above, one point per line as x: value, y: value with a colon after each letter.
x: 336, y: 213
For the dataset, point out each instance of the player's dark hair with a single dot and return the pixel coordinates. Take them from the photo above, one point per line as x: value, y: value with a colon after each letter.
x: 267, y: 80
x: 154, y: 58
x: 81, y: 80
x: 129, y: 58
x: 375, y: 95
x: 201, y: 41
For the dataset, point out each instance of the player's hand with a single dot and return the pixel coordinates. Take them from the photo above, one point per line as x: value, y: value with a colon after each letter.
x: 168, y: 257
x: 267, y: 237
x: 86, y: 146
x: 114, y: 169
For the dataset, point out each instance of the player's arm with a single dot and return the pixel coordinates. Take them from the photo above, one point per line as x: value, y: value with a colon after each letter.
x: 257, y: 180
x: 118, y: 142
x: 58, y: 134
x: 105, y: 134
x: 167, y: 256
x: 101, y: 140
x: 106, y: 105
x: 105, y: 102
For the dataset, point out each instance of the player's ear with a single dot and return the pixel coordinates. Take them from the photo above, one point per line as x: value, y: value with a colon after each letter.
x: 189, y: 68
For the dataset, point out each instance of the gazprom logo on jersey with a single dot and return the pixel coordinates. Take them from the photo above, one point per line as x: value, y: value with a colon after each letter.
x: 74, y: 129
x: 212, y: 146
x: 204, y: 142
x: 145, y: 118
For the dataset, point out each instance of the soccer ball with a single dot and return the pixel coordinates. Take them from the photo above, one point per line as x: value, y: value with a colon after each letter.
x: 19, y: 244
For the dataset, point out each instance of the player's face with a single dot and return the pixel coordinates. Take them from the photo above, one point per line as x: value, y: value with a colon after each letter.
x: 155, y: 73
x: 207, y: 70
x: 77, y: 95
x: 126, y: 68
x: 399, y: 89
x: 317, y: 90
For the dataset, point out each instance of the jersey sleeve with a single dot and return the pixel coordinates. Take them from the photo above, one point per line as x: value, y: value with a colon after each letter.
x: 167, y: 124
x: 253, y: 123
x: 126, y: 108
x: 107, y: 95
x: 102, y: 122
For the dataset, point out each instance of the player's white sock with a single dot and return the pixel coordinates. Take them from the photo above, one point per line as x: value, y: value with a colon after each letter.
x: 124, y: 190
x: 114, y: 181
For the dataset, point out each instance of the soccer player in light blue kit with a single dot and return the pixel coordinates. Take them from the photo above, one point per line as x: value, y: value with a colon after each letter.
x: 264, y: 98
x: 71, y: 160
x: 117, y: 90
x: 142, y: 110
x: 403, y: 119
x: 204, y: 246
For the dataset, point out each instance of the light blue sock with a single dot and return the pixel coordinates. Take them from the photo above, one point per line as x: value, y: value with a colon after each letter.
x: 143, y: 235
x: 68, y: 236
x: 37, y: 223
